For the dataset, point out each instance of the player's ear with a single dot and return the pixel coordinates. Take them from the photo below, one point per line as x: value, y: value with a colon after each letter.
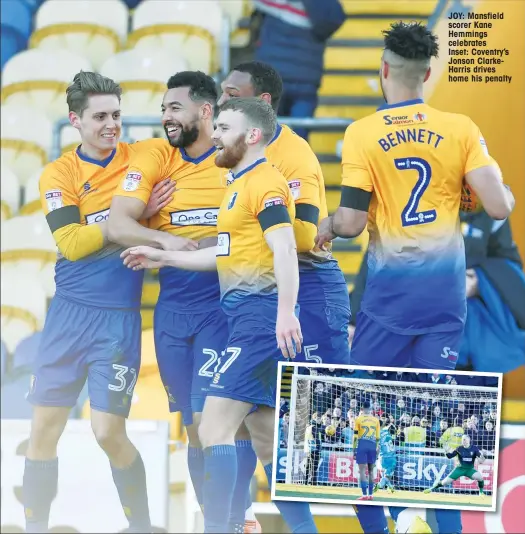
x: 385, y: 69
x: 74, y: 120
x: 254, y: 136
x: 267, y: 97
x: 207, y: 111
x: 427, y: 75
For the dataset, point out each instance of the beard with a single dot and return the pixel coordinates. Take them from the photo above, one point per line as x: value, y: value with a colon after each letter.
x: 188, y: 135
x: 229, y: 157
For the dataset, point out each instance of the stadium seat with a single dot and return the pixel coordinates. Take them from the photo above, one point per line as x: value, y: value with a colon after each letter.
x: 9, y: 193
x: 23, y: 307
x: 3, y: 359
x: 32, y: 202
x: 69, y: 139
x: 143, y: 76
x: 39, y: 78
x: 180, y: 25
x: 28, y: 248
x: 26, y: 140
x: 15, y: 26
x: 94, y: 30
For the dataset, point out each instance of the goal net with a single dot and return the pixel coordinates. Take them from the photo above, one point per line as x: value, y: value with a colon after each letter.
x: 423, y: 420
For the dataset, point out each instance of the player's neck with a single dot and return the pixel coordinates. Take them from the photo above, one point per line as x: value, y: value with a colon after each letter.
x: 94, y: 153
x: 403, y: 94
x: 248, y: 159
x: 202, y: 144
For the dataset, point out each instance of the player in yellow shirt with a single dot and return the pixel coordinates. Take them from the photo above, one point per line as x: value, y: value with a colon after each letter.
x: 403, y: 170
x: 323, y: 294
x: 93, y: 327
x: 366, y: 444
x: 256, y: 260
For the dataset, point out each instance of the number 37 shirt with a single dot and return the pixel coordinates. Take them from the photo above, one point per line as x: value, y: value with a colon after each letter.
x: 413, y: 158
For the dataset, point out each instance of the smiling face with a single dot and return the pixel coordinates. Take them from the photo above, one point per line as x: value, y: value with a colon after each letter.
x: 180, y: 117
x: 100, y: 123
x: 230, y: 138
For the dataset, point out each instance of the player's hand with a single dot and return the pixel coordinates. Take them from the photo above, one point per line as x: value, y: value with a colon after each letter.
x: 138, y: 258
x: 288, y: 333
x: 351, y: 332
x: 161, y: 196
x: 472, y: 283
x: 174, y: 242
x: 325, y: 233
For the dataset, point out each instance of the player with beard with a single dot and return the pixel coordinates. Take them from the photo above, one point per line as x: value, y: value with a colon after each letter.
x: 190, y: 330
x: 256, y: 259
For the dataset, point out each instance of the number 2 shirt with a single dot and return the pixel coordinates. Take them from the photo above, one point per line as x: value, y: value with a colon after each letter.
x: 412, y: 159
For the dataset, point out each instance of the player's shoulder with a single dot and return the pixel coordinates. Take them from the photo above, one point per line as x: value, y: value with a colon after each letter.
x: 62, y: 167
x: 146, y: 145
x: 457, y: 122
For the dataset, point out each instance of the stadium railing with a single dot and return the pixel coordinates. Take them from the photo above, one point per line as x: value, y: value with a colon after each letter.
x: 311, y: 124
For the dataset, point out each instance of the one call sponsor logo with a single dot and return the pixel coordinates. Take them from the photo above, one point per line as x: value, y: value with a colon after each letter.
x: 197, y: 217
x: 99, y: 216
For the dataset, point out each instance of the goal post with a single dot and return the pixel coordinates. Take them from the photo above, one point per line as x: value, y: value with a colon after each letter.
x: 424, y: 421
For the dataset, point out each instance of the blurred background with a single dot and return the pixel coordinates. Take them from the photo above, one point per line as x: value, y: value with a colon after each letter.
x: 329, y: 66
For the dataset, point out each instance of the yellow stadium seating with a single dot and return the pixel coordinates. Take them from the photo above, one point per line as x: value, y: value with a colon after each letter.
x: 94, y: 30
x: 180, y: 25
x: 143, y: 75
x: 23, y: 305
x: 69, y: 138
x: 342, y: 111
x: 422, y: 8
x: 28, y: 246
x: 26, y: 140
x: 366, y: 58
x: 350, y: 85
x: 10, y: 193
x: 39, y: 78
x: 32, y: 202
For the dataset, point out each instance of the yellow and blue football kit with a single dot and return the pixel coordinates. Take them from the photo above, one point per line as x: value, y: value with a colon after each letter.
x: 405, y: 165
x: 190, y: 329
x: 93, y: 326
x: 366, y: 429
x: 257, y: 201
x: 323, y: 295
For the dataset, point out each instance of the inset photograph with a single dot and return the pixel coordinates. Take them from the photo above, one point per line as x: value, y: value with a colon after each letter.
x: 417, y: 438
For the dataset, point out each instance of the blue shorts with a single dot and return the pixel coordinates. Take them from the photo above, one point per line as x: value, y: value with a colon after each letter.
x: 247, y: 370
x: 366, y: 453
x: 374, y: 345
x: 389, y: 466
x: 324, y: 316
x: 188, y: 347
x: 80, y: 342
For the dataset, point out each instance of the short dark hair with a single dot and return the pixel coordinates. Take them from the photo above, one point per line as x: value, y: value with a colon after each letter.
x: 86, y: 84
x: 201, y: 86
x: 265, y: 79
x: 412, y: 41
x: 366, y: 405
x: 258, y: 112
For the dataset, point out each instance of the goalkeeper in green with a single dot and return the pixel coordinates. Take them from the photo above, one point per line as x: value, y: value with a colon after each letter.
x: 467, y: 455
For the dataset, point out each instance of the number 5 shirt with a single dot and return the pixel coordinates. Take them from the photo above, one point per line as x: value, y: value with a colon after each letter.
x: 412, y: 159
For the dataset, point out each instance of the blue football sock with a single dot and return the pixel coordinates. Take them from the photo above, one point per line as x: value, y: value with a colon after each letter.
x: 296, y: 514
x: 371, y: 489
x: 196, y: 468
x: 220, y: 474
x: 364, y: 487
x: 131, y: 487
x: 39, y: 489
x: 246, y: 464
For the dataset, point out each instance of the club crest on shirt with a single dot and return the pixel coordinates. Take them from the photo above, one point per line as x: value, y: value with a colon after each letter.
x: 132, y: 181
x: 54, y: 199
x: 295, y: 188
x: 232, y: 201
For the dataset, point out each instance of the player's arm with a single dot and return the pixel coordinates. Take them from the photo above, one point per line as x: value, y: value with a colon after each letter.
x: 451, y: 455
x: 144, y: 257
x: 278, y: 232
x: 357, y: 428
x: 146, y: 169
x: 485, y: 179
x: 307, y: 196
x: 61, y: 208
x: 480, y: 456
x: 351, y: 216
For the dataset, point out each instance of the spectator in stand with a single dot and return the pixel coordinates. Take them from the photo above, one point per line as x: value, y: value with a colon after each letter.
x: 436, y: 417
x: 415, y: 434
x: 437, y: 435
x: 284, y: 425
x: 292, y: 39
x: 489, y: 437
x: 284, y: 407
x: 473, y: 432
